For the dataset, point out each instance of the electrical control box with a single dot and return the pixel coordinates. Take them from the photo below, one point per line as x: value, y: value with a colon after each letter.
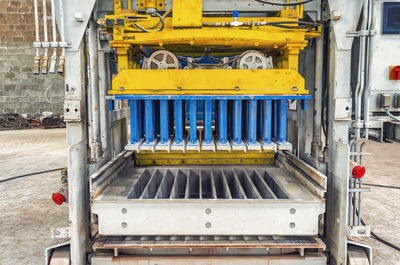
x: 391, y: 18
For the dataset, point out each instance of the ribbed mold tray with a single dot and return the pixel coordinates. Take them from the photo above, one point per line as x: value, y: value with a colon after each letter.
x: 207, y: 201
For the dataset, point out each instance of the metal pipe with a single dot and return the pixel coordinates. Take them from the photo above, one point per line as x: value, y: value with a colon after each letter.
x: 53, y: 61
x: 354, y: 203
x: 359, y: 202
x: 61, y: 62
x: 367, y: 91
x: 317, y: 143
x: 360, y: 80
x: 104, y: 113
x: 94, y: 92
x: 77, y: 161
x: 350, y: 202
x: 36, y: 65
x: 46, y: 39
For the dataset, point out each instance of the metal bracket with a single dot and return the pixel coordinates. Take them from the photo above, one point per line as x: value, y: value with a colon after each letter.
x: 62, y: 232
x: 343, y: 108
x: 60, y: 44
x: 72, y: 110
x: 360, y: 154
x: 158, y: 4
x: 358, y: 125
x: 359, y: 231
x: 354, y: 34
x: 359, y: 190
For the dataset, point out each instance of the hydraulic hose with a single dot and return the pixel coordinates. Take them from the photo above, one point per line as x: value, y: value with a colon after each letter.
x: 391, y: 115
x: 31, y: 174
x: 161, y: 21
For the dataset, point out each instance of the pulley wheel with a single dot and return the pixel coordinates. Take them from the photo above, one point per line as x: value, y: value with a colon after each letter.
x: 163, y: 59
x: 252, y: 60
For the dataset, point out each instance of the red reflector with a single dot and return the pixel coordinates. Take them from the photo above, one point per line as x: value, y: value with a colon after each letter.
x: 58, y: 198
x: 358, y: 172
x: 395, y: 72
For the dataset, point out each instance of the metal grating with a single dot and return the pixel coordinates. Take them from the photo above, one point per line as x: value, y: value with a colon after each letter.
x: 207, y: 183
x: 209, y: 241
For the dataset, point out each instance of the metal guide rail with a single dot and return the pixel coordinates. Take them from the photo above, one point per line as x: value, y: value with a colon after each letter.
x: 257, y: 201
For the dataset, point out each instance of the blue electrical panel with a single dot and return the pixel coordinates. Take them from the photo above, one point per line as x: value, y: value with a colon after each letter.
x: 391, y: 18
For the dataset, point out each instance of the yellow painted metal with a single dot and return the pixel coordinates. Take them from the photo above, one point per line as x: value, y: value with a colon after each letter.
x: 205, y: 158
x: 117, y: 7
x: 160, y: 4
x: 187, y: 13
x: 156, y: 4
x: 208, y: 82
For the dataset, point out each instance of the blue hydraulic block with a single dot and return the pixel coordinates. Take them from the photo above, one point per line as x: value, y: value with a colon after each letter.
x: 193, y: 121
x: 208, y: 121
x: 267, y: 122
x: 178, y: 108
x: 164, y: 121
x: 222, y: 121
x: 275, y: 119
x: 282, y: 130
x: 237, y: 121
x: 135, y: 121
x: 252, y: 122
x: 111, y: 105
x: 149, y: 120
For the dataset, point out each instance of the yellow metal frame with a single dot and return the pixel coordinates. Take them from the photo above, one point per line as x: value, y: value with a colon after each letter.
x: 184, y: 34
x: 205, y: 158
x: 208, y: 82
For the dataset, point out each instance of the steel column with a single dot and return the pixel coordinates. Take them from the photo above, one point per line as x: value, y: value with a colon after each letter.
x: 94, y: 92
x: 77, y: 158
x: 319, y: 53
x: 104, y: 113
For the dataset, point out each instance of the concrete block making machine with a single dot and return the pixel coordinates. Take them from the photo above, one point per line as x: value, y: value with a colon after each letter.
x: 216, y: 132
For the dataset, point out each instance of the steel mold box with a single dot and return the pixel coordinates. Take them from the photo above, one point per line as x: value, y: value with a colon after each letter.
x: 289, y: 210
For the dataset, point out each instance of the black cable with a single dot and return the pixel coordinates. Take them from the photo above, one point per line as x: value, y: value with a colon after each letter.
x: 31, y: 174
x: 284, y: 4
x: 376, y: 237
x: 382, y: 186
x: 380, y: 239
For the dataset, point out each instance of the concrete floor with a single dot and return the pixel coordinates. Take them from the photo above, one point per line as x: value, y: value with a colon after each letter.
x: 27, y: 212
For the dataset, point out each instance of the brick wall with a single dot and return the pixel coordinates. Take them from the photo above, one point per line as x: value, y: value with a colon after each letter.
x: 20, y: 90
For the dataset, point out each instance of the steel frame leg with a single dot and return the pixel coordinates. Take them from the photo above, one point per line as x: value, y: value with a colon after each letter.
x: 77, y: 159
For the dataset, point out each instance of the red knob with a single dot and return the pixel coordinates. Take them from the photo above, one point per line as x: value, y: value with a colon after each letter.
x: 58, y: 198
x: 358, y: 172
x: 395, y: 73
